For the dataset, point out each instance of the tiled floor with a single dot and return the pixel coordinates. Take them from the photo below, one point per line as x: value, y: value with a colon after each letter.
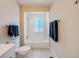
x: 39, y: 53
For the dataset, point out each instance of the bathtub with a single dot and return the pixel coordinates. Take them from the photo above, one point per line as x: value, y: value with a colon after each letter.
x: 38, y: 44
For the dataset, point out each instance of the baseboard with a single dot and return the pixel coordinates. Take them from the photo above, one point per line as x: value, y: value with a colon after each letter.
x: 53, y: 53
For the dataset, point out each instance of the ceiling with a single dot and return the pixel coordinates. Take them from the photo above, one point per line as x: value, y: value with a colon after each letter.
x: 35, y: 2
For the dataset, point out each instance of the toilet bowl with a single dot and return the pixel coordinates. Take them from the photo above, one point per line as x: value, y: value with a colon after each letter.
x: 22, y: 51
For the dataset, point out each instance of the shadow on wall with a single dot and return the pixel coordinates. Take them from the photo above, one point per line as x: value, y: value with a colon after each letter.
x: 3, y: 31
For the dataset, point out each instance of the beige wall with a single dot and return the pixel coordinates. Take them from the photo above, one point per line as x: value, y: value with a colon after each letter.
x: 29, y: 8
x: 68, y: 13
x: 9, y: 14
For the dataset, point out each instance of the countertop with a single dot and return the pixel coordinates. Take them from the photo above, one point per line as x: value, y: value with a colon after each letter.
x: 4, y: 48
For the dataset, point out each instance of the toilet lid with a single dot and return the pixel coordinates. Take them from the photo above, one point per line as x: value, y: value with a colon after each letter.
x: 23, y: 49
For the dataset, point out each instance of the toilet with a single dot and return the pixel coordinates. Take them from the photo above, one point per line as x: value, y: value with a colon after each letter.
x: 22, y: 51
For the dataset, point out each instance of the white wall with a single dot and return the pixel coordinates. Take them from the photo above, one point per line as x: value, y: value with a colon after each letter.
x: 9, y: 14
x: 68, y: 13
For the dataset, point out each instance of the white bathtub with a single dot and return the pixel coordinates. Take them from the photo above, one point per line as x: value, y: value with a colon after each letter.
x: 38, y: 44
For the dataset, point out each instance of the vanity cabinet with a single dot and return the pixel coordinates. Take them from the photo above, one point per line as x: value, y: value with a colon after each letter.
x: 7, y: 51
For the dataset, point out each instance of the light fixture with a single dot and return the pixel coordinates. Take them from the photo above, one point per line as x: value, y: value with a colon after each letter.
x: 77, y: 1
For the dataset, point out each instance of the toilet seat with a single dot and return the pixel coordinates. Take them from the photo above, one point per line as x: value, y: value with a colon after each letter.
x: 23, y: 50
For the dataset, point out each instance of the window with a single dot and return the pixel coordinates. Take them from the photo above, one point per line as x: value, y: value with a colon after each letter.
x: 38, y: 24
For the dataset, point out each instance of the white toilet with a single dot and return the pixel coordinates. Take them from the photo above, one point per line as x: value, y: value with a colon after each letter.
x: 22, y: 51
